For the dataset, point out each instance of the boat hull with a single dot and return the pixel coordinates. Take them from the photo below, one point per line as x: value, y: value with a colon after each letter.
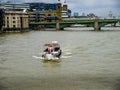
x: 51, y: 56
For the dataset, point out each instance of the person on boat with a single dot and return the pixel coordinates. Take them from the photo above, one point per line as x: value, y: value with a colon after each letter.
x: 49, y: 50
x: 56, y: 48
x: 55, y: 45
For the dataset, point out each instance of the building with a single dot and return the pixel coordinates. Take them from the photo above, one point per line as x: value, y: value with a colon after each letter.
x: 43, y: 6
x: 36, y: 16
x: 1, y: 18
x: 110, y: 15
x: 91, y: 15
x: 65, y: 14
x: 16, y: 20
x: 76, y: 14
x: 83, y: 14
x: 69, y: 13
x: 13, y: 6
x: 65, y: 11
x: 48, y: 9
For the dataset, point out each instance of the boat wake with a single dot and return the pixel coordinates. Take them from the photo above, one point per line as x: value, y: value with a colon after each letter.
x: 37, y: 57
x: 65, y: 57
x: 66, y: 54
x: 62, y: 57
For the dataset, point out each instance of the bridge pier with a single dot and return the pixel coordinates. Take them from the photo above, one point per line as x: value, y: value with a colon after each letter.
x: 113, y: 25
x: 57, y: 25
x: 96, y: 25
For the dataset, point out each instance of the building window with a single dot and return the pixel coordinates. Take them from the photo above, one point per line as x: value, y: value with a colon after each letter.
x: 13, y: 26
x: 18, y: 25
x: 13, y: 21
x: 7, y: 17
x: 49, y: 14
x: 13, y: 17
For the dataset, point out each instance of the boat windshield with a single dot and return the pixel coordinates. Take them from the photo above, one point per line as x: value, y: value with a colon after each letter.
x: 54, y: 46
x: 51, y: 44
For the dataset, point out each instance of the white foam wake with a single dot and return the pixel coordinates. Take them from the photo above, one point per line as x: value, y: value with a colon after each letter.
x: 37, y: 57
x: 65, y: 57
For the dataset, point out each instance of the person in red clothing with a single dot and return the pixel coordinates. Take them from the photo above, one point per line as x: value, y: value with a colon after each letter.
x: 50, y: 50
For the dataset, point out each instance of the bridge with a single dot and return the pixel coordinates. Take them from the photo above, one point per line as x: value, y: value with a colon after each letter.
x: 60, y: 25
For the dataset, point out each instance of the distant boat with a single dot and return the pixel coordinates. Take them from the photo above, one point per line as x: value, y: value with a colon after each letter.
x: 52, y: 51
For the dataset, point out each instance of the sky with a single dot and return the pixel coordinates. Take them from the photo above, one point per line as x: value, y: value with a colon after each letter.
x: 98, y: 7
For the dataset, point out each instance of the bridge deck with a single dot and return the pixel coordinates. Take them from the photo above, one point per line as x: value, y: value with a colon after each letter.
x: 67, y: 23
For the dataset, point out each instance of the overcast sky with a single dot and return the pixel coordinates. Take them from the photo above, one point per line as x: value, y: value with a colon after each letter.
x: 98, y: 7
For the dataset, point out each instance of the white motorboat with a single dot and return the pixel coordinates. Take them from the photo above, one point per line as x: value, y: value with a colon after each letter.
x: 52, y: 51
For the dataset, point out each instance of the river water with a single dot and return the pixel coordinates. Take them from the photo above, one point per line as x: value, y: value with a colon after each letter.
x: 90, y: 60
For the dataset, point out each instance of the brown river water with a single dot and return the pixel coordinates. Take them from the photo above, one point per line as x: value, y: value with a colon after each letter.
x: 90, y: 60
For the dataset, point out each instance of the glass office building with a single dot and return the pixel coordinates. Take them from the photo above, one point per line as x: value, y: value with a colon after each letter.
x: 11, y: 6
x: 43, y: 6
